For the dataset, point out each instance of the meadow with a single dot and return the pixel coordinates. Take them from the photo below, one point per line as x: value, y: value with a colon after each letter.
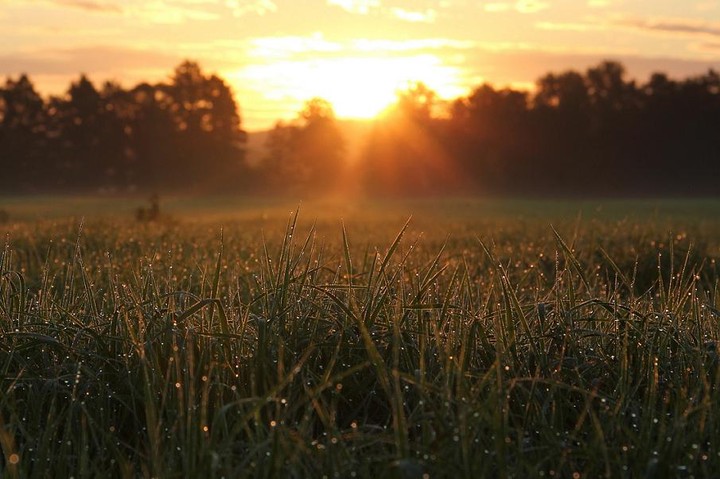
x: 403, y: 339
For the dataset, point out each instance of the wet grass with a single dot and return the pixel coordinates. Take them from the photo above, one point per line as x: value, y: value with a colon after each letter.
x: 471, y: 342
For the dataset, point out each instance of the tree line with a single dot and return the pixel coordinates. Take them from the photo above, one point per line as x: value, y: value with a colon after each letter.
x: 177, y: 134
x: 592, y: 133
x: 578, y: 133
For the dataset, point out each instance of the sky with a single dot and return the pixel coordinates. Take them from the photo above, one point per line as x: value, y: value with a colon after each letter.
x: 276, y: 54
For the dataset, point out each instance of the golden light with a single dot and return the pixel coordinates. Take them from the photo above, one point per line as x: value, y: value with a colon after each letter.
x: 357, y: 86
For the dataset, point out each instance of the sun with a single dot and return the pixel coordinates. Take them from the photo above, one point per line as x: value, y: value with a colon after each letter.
x: 358, y: 87
x: 365, y: 86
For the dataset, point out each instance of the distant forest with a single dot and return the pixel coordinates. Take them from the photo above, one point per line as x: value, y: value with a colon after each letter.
x: 578, y: 134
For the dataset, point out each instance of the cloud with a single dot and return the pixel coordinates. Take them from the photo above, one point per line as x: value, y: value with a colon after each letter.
x: 258, y: 7
x: 92, y: 60
x: 359, y: 7
x: 424, y: 44
x: 90, y: 5
x: 169, y: 12
x: 706, y: 47
x: 531, y: 6
x: 172, y: 12
x: 568, y: 26
x: 273, y: 48
x: 521, y: 6
x: 424, y: 16
x: 316, y: 46
x: 407, y: 11
x: 527, y: 65
x: 672, y: 26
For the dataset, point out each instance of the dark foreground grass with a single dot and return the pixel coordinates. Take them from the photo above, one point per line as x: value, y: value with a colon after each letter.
x: 481, y: 349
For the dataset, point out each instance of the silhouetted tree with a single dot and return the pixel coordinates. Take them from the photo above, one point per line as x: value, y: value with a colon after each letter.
x: 307, y: 155
x: 172, y: 135
x: 607, y: 87
x: 152, y: 138
x: 677, y: 147
x: 492, y: 134
x: 23, y: 136
x: 562, y: 130
x: 78, y: 122
x: 591, y: 133
x: 207, y: 127
x: 566, y: 92
x: 118, y: 163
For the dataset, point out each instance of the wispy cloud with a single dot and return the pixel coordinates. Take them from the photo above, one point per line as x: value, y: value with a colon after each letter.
x: 71, y: 61
x: 415, y: 16
x: 521, y: 6
x: 153, y: 11
x: 315, y: 46
x: 672, y: 26
x: 569, y: 26
x: 414, y: 12
x: 420, y: 44
x: 274, y: 48
x: 706, y: 47
x: 360, y: 7
x: 96, y: 6
x: 258, y: 7
x: 171, y: 13
x: 89, y: 6
x: 531, y: 6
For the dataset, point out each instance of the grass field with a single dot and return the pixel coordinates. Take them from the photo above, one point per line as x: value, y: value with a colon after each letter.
x: 235, y: 338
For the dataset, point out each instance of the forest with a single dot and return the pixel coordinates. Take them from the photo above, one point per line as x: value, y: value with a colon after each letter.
x: 592, y: 133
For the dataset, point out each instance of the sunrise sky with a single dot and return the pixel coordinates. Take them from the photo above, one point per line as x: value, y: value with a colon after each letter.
x: 355, y: 53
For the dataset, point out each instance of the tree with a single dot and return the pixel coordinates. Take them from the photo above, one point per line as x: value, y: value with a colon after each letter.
x: 181, y: 133
x: 23, y: 136
x: 319, y: 145
x: 417, y: 103
x: 607, y: 87
x: 580, y: 133
x: 306, y: 156
x: 78, y: 124
x: 566, y: 91
x: 562, y: 131
x: 488, y: 134
x: 210, y: 142
x: 118, y: 164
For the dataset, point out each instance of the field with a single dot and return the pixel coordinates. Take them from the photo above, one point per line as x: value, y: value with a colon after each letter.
x: 405, y: 339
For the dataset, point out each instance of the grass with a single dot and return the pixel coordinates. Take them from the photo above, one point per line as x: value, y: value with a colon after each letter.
x: 478, y: 340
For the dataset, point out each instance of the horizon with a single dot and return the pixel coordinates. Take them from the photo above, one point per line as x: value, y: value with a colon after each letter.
x: 356, y: 54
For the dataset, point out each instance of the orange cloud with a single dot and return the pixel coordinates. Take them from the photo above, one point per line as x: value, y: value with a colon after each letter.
x: 569, y: 26
x: 672, y: 26
x: 90, y: 5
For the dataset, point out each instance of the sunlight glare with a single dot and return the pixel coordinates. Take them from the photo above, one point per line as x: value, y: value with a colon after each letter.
x: 357, y: 87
